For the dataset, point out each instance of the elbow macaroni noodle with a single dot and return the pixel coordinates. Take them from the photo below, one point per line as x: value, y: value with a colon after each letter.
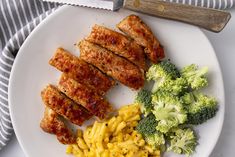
x: 115, y: 137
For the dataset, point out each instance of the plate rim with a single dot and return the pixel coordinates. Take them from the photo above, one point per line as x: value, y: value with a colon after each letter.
x: 58, y: 11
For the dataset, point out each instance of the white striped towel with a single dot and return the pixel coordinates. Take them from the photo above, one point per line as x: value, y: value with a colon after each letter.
x: 17, y: 19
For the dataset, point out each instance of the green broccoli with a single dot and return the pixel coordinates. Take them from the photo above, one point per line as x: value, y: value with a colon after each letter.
x: 173, y: 106
x: 200, y: 107
x: 177, y: 87
x: 156, y: 140
x: 187, y: 98
x: 161, y: 72
x: 147, y: 128
x: 196, y: 77
x: 183, y: 141
x: 168, y: 110
x: 147, y: 125
x: 144, y: 99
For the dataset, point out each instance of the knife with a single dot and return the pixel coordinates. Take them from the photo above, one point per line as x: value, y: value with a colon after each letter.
x: 210, y: 19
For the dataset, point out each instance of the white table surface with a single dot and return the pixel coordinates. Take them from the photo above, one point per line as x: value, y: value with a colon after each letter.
x: 224, y: 45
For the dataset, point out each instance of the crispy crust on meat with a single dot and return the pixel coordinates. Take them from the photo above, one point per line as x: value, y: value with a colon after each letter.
x: 52, y: 124
x: 111, y: 64
x: 81, y: 71
x: 119, y: 44
x: 85, y: 96
x: 62, y: 105
x: 134, y: 27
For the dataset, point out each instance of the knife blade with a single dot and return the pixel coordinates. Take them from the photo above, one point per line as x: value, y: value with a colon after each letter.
x: 98, y: 4
x: 207, y: 18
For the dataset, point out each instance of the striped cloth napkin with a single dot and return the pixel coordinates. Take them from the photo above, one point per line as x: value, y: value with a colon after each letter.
x: 17, y: 19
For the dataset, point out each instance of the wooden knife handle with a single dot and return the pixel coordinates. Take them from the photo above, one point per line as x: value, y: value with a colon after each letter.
x: 210, y: 19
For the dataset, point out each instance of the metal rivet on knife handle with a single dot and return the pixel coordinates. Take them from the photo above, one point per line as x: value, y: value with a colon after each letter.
x: 210, y: 19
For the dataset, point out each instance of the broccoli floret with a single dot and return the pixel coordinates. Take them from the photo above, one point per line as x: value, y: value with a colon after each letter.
x: 156, y: 140
x: 187, y: 98
x: 161, y: 72
x: 144, y: 99
x: 147, y: 125
x: 168, y: 110
x: 200, y: 107
x: 164, y: 69
x: 177, y: 87
x: 147, y: 128
x: 196, y: 77
x: 183, y: 141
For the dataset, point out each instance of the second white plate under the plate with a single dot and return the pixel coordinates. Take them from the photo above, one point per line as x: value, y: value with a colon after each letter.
x: 184, y: 44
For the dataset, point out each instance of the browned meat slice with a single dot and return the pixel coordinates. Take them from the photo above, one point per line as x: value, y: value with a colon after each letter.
x: 119, y: 44
x: 81, y: 71
x: 85, y: 96
x: 134, y: 27
x: 111, y: 64
x: 51, y: 123
x: 61, y: 104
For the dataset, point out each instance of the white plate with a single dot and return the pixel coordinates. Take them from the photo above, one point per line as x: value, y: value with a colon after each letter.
x: 184, y: 44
